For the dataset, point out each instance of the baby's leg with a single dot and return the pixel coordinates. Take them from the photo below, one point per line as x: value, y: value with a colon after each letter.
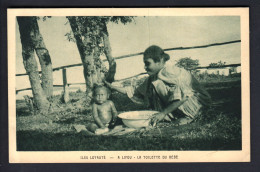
x: 92, y: 127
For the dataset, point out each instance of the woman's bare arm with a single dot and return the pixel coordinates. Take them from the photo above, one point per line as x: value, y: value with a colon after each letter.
x: 172, y: 107
x: 118, y: 89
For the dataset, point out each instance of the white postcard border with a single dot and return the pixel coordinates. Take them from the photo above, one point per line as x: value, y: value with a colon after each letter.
x: 165, y: 156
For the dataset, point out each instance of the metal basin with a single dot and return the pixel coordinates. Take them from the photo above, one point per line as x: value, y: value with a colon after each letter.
x: 136, y: 119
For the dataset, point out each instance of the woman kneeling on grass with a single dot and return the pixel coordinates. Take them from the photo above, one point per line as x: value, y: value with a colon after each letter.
x: 171, y: 90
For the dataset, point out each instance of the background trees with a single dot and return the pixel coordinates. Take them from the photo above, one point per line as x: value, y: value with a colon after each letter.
x: 32, y: 42
x: 219, y: 64
x: 91, y: 36
x: 92, y: 40
x: 187, y: 63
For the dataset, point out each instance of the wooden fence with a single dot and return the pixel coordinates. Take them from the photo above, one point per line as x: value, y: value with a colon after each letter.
x: 64, y: 71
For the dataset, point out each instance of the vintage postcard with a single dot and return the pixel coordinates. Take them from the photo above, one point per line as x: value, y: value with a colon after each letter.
x: 126, y: 85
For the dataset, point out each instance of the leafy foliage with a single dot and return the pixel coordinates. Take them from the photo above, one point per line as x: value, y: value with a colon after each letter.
x: 90, y: 29
x: 219, y: 64
x: 44, y: 18
x: 91, y: 36
x: 122, y: 19
x: 187, y: 63
x: 70, y: 37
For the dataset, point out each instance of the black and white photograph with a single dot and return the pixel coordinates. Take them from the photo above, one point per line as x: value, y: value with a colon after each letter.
x: 129, y: 85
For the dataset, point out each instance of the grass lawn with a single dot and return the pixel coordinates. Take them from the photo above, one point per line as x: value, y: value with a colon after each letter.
x: 218, y: 129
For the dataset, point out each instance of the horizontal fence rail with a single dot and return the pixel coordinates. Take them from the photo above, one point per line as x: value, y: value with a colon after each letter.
x: 140, y: 74
x: 214, y: 67
x: 136, y: 54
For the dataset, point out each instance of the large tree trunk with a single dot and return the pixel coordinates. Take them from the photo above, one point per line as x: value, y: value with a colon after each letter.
x: 45, y: 61
x: 30, y: 64
x: 89, y: 57
x: 110, y: 76
x: 44, y: 58
x: 98, y: 74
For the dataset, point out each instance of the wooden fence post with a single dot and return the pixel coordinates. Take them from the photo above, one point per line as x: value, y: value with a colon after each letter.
x: 235, y: 69
x: 65, y: 86
x: 64, y: 75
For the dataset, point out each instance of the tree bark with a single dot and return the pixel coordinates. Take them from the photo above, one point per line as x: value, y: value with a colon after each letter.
x: 44, y: 58
x: 110, y: 76
x: 89, y: 57
x: 30, y: 64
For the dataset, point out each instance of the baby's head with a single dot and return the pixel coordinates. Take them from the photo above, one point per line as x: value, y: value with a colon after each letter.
x: 100, y: 94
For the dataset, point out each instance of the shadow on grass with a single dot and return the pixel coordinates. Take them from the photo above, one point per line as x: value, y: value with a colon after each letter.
x: 66, y: 121
x: 228, y: 100
x: 220, y: 128
x: 40, y: 141
x: 23, y: 111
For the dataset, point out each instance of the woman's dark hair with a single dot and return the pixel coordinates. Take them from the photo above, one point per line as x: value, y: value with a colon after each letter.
x: 156, y: 53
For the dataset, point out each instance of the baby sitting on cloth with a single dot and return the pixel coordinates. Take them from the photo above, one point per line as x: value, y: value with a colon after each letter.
x: 104, y: 111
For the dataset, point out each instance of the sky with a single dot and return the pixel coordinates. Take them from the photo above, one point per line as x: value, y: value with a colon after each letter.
x: 135, y: 37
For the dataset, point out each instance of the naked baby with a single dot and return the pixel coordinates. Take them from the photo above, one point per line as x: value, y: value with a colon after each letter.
x: 104, y: 111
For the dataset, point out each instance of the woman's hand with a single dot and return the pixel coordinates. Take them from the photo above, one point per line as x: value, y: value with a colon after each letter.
x: 113, y: 87
x: 107, y: 83
x: 157, y: 118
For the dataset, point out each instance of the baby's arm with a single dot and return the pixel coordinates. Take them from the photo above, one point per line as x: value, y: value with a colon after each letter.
x: 113, y: 110
x: 95, y: 115
x: 114, y: 115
